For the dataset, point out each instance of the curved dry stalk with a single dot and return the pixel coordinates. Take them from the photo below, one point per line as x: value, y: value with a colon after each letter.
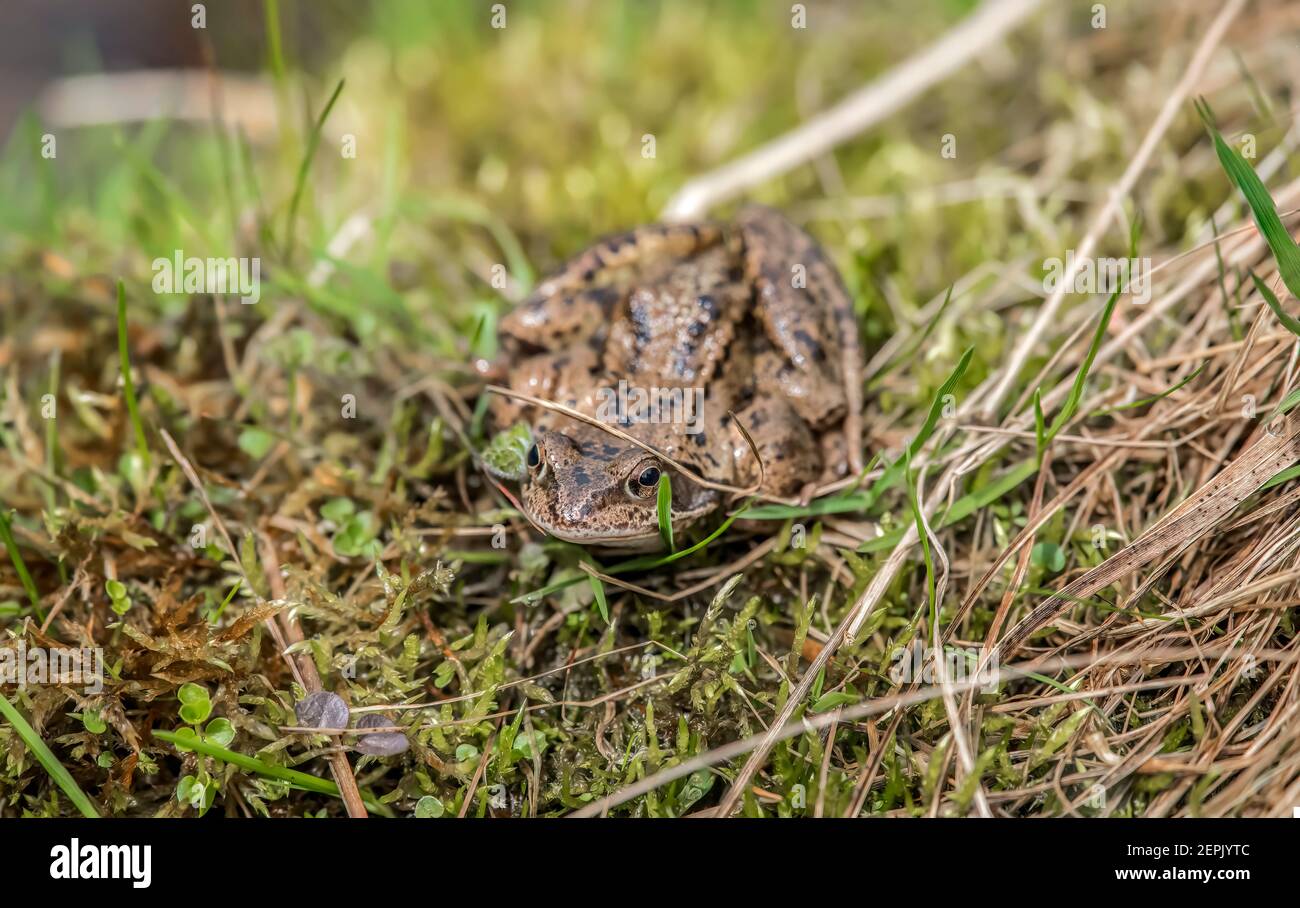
x: 956, y: 725
x: 650, y: 449
x: 865, y: 107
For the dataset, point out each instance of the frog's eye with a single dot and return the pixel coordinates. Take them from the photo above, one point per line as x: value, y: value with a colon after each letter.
x: 536, y: 463
x: 644, y: 481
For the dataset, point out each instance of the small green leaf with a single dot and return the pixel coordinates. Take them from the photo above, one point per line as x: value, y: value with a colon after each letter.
x: 184, y: 738
x: 598, y: 589
x: 255, y: 442
x: 195, y: 713
x: 429, y: 808
x: 505, y: 455
x: 697, y: 786
x: 93, y: 722
x: 192, y: 693
x: 833, y: 699
x: 195, y: 705
x: 338, y: 510
x: 1048, y: 555
x: 220, y: 732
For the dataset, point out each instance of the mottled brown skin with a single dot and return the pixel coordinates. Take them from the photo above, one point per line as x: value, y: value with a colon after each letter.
x: 752, y: 313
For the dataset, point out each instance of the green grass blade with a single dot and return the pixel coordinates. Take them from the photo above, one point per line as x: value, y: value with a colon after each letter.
x: 11, y: 546
x: 598, y: 588
x: 665, y: 507
x: 274, y: 47
x: 46, y: 758
x: 635, y: 564
x: 1132, y: 405
x: 1081, y: 377
x: 300, y: 183
x: 831, y: 504
x: 295, y: 778
x: 915, y: 344
x: 128, y: 386
x: 1285, y: 476
x: 895, y: 470
x: 1261, y: 204
x: 1287, y: 321
x: 1040, y: 426
x: 919, y: 518
x: 963, y: 507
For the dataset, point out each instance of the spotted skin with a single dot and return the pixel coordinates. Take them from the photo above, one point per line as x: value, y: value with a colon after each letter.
x: 751, y: 315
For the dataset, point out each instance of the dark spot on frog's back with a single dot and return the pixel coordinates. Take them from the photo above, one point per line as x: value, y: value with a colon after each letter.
x: 701, y: 439
x: 605, y: 296
x: 601, y: 451
x: 810, y: 344
x: 640, y: 322
x: 580, y: 477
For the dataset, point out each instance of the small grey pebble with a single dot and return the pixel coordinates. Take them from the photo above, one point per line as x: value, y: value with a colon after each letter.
x: 384, y: 743
x: 322, y: 710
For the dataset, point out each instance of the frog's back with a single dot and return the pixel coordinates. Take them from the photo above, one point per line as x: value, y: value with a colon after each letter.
x: 751, y: 316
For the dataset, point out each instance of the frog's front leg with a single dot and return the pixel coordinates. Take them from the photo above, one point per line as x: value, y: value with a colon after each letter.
x: 807, y: 314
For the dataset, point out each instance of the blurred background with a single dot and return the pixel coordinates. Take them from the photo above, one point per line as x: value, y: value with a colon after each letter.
x: 385, y: 162
x: 540, y: 128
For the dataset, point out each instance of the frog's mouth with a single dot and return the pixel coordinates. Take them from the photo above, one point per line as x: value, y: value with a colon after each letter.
x: 637, y: 540
x: 626, y: 539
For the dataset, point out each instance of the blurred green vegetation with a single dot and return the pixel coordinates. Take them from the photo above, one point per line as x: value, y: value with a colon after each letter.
x: 518, y: 146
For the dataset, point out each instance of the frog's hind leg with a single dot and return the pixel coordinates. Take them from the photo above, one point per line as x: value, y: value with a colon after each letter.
x: 807, y: 314
x: 791, y: 456
x: 566, y: 378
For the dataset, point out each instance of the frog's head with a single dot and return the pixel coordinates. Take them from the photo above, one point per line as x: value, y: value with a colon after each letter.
x: 592, y: 488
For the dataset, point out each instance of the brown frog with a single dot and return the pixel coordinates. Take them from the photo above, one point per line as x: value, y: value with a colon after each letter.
x: 661, y: 331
